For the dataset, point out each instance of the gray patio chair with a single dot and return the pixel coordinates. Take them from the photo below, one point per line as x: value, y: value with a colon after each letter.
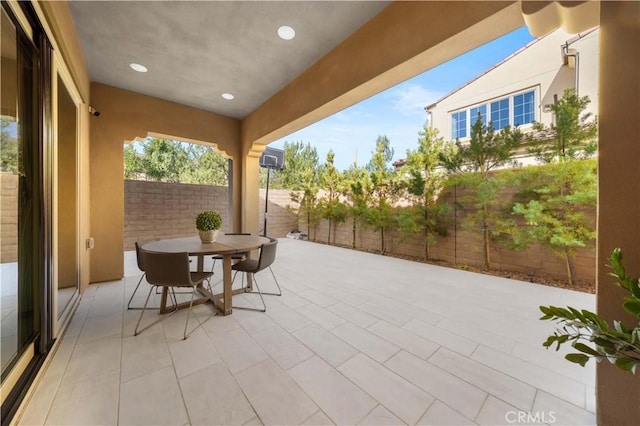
x: 170, y: 270
x: 252, y: 266
x: 141, y: 267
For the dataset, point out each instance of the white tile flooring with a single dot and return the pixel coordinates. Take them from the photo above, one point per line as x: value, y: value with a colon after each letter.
x: 356, y: 338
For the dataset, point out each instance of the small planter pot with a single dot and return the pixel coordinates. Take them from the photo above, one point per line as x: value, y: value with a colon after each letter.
x: 208, y: 236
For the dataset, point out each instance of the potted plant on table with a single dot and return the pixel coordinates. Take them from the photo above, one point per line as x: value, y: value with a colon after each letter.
x: 208, y: 224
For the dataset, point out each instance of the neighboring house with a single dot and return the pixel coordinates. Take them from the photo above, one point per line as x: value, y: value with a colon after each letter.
x: 515, y: 91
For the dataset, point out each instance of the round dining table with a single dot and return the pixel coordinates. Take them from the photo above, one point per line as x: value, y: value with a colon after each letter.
x: 224, y: 245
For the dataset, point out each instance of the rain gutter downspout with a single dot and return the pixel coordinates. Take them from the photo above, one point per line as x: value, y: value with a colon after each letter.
x: 576, y: 56
x: 429, y: 120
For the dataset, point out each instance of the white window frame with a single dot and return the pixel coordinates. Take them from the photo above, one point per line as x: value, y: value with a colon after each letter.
x: 487, y: 105
x: 466, y: 123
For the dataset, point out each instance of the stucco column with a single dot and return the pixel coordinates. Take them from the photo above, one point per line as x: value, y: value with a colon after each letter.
x: 250, y: 190
x: 125, y: 116
x: 618, y: 392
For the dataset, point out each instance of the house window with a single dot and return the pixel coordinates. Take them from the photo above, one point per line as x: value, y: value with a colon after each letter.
x: 523, y: 108
x: 515, y: 110
x: 479, y: 110
x: 459, y: 124
x: 500, y: 113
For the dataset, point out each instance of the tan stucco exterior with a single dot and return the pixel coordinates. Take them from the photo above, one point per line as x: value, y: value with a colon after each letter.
x: 125, y: 116
x: 539, y: 67
x: 61, y: 24
x: 618, y: 393
x: 413, y: 40
x: 57, y: 18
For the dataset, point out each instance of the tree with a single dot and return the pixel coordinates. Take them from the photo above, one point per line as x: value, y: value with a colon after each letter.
x: 558, y: 194
x: 173, y: 161
x: 573, y: 135
x: 301, y: 163
x: 383, y: 190
x: 307, y: 200
x: 331, y: 207
x: 9, y: 152
x: 423, y: 180
x: 205, y: 166
x: 164, y: 160
x: 357, y: 191
x: 383, y: 146
x: 486, y: 151
x: 554, y: 215
x: 132, y: 163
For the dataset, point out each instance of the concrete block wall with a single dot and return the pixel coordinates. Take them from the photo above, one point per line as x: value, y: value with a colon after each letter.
x: 462, y: 247
x: 9, y: 217
x: 281, y: 219
x: 157, y: 210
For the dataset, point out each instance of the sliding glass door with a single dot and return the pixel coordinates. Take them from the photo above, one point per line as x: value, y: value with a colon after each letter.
x: 25, y: 182
x: 21, y: 188
x: 65, y: 215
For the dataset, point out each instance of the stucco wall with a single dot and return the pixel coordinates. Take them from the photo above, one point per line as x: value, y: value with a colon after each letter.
x: 538, y: 66
x: 125, y: 116
x: 618, y: 392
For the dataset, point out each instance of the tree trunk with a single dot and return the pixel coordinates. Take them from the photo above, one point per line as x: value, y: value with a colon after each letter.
x: 381, y: 240
x: 426, y: 245
x: 485, y: 245
x: 426, y: 232
x: 329, y: 233
x: 571, y: 270
x: 353, y: 230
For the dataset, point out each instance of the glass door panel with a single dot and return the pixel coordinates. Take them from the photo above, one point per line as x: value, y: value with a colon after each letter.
x: 20, y: 187
x: 9, y: 194
x: 67, y: 196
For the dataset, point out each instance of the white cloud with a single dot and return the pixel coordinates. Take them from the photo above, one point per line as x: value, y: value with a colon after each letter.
x: 410, y: 99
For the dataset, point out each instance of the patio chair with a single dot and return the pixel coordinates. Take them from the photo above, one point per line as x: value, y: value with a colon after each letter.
x: 252, y: 266
x: 141, y: 267
x: 170, y: 270
x: 236, y: 256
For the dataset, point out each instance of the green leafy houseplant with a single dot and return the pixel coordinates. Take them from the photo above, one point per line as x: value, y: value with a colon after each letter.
x: 618, y: 343
x: 208, y: 221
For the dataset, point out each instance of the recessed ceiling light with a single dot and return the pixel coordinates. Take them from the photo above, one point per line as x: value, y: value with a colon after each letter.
x: 286, y: 32
x: 138, y: 67
x: 228, y: 96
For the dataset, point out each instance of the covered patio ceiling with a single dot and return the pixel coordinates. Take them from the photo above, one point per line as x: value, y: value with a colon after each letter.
x: 343, y: 53
x: 197, y: 50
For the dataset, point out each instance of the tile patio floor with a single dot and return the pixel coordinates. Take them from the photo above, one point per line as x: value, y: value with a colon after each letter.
x: 356, y: 338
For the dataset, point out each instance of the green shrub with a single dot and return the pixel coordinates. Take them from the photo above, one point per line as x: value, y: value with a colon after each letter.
x: 207, y: 221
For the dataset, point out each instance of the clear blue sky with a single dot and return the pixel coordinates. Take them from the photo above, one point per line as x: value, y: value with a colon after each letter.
x: 398, y: 112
